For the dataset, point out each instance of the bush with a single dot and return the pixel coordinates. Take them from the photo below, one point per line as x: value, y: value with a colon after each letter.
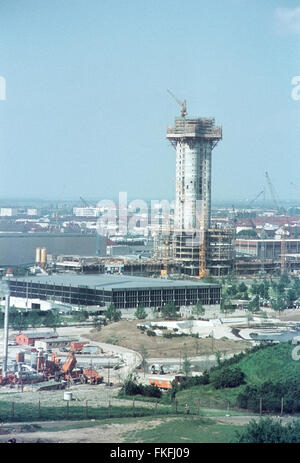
x: 227, y: 377
x: 192, y: 381
x: 271, y: 394
x: 131, y: 388
x: 140, y: 312
x: 150, y: 333
x: 151, y: 391
x: 269, y: 431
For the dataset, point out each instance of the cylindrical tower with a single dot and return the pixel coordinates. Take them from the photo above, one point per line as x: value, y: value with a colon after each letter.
x: 43, y: 256
x: 194, y: 140
x: 38, y: 256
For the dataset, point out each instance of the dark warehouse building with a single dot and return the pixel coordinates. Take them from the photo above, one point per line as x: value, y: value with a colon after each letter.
x: 123, y: 291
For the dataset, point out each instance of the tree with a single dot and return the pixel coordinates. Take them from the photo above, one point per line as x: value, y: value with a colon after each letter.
x: 247, y: 234
x: 144, y: 353
x: 34, y: 318
x: 198, y: 309
x: 253, y: 305
x: 218, y: 355
x: 186, y: 365
x: 227, y: 377
x: 97, y: 323
x: 18, y: 321
x: 169, y: 310
x: 279, y: 303
x: 112, y: 314
x: 80, y: 315
x: 140, y: 312
x: 226, y: 305
x: 242, y: 288
x: 51, y: 319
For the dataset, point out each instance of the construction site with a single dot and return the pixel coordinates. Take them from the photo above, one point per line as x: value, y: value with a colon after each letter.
x: 190, y: 240
x: 186, y: 250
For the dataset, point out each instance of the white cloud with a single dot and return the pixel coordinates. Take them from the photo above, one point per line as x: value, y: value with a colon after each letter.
x: 288, y: 19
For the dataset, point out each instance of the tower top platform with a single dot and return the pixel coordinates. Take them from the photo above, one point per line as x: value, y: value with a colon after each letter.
x: 201, y: 128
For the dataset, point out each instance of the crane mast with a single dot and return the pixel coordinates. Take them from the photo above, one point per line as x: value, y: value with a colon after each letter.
x: 181, y: 103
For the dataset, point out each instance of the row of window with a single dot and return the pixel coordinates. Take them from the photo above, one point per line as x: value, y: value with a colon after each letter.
x: 87, y: 296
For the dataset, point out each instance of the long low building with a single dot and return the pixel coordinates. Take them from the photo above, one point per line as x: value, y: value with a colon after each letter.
x: 125, y: 292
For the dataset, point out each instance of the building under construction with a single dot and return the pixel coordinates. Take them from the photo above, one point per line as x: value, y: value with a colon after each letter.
x: 199, y: 249
x: 266, y: 255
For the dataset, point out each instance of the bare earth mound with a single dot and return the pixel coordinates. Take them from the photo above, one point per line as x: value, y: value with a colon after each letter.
x: 125, y: 333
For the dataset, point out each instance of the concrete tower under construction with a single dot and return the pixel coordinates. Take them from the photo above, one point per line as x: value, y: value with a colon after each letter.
x: 194, y: 140
x: 198, y: 248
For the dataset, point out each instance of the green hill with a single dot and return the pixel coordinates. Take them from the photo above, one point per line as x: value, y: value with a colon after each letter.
x: 272, y: 363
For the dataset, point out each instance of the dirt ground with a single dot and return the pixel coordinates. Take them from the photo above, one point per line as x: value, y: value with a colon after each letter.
x: 126, y: 334
x: 106, y: 433
x: 289, y: 315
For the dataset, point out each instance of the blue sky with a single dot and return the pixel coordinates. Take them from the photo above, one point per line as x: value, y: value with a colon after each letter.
x: 87, y: 107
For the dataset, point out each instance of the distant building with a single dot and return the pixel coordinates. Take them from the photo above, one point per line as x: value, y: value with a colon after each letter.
x: 8, y: 211
x: 86, y: 211
x: 20, y: 248
x: 269, y: 248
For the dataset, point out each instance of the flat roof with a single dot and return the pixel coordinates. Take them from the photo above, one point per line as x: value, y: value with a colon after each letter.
x: 59, y: 339
x: 112, y: 282
x: 39, y: 335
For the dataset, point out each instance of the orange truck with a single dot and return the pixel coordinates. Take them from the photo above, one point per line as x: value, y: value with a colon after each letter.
x: 164, y: 382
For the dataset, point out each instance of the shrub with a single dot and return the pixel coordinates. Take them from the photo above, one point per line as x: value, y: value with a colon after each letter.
x: 150, y: 333
x: 227, y: 377
x: 269, y: 431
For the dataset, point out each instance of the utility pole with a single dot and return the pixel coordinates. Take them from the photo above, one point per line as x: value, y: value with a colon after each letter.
x: 4, y: 289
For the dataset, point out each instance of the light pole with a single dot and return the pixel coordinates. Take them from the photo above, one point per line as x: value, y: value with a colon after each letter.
x: 4, y: 291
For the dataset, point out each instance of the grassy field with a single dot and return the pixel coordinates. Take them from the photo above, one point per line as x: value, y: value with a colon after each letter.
x: 126, y: 334
x: 26, y: 412
x: 186, y: 430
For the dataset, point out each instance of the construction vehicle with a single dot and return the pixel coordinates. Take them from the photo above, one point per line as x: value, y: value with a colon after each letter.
x: 165, y: 382
x: 73, y: 375
x: 91, y: 376
x: 77, y: 346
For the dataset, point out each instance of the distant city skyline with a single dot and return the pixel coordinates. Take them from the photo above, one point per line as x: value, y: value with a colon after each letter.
x: 86, y: 107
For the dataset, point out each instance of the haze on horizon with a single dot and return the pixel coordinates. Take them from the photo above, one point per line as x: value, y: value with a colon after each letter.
x: 87, y: 107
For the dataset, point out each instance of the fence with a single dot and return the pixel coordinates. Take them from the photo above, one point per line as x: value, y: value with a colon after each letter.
x: 15, y: 411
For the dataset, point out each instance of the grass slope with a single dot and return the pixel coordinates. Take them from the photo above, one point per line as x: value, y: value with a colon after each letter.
x: 274, y: 363
x: 186, y: 430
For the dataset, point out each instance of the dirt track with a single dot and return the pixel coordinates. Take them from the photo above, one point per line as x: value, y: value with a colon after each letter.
x: 106, y: 433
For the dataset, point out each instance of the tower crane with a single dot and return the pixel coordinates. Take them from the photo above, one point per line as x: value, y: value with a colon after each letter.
x: 88, y: 203
x: 181, y: 103
x: 203, y: 271
x: 284, y: 233
x: 256, y: 197
x: 272, y: 191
